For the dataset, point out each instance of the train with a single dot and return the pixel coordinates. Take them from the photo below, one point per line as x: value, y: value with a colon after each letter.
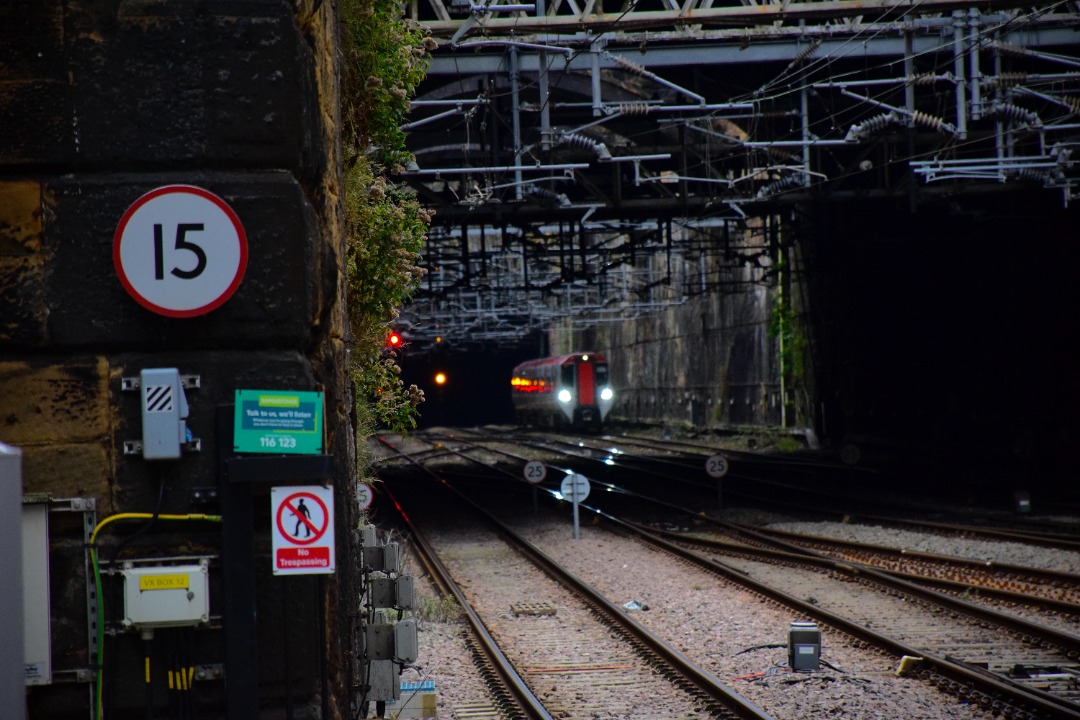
x: 567, y: 391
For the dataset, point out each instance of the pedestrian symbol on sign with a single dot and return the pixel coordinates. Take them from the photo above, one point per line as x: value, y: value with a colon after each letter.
x: 303, y: 517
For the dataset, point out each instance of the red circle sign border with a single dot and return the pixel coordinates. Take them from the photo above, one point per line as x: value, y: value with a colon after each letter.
x: 295, y: 541
x: 240, y: 234
x: 370, y: 496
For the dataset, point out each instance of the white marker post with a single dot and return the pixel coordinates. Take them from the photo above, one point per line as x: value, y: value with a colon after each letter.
x: 575, y: 487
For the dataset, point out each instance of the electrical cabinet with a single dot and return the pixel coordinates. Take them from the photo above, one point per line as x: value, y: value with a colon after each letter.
x: 166, y: 595
x: 804, y: 646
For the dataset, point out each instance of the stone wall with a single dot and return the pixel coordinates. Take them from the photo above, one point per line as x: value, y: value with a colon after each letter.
x: 706, y: 360
x: 100, y: 103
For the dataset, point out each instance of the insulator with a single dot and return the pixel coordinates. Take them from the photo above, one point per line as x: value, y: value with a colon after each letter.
x: 545, y: 194
x: 806, y: 52
x: 1014, y: 113
x: 1036, y: 175
x: 634, y: 109
x: 871, y: 125
x: 1010, y: 49
x: 930, y: 121
x: 922, y: 79
x: 1005, y: 80
x: 586, y: 143
x: 788, y: 181
x: 629, y: 65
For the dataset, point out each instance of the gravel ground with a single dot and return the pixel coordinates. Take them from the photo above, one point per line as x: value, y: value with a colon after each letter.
x: 730, y: 632
x: 1006, y: 553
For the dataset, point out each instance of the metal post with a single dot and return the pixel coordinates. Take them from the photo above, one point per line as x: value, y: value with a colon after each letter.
x: 804, y: 103
x: 515, y: 109
x: 545, y: 109
x: 976, y: 74
x: 238, y: 601
x: 597, y: 102
x: 959, y: 65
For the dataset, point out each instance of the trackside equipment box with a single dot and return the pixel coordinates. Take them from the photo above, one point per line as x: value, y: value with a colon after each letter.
x: 804, y: 646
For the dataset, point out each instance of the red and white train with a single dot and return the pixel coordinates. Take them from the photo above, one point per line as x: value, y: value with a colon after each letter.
x: 566, y: 391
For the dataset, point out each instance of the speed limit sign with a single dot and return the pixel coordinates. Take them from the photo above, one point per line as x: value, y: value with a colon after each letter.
x: 364, y: 495
x: 535, y: 471
x: 180, y: 251
x: 716, y: 466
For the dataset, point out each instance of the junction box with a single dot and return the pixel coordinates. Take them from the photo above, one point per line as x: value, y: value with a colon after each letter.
x: 166, y: 595
x: 804, y: 646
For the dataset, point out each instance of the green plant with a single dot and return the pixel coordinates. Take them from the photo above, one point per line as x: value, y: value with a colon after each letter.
x: 442, y: 609
x: 783, y: 325
x: 384, y: 58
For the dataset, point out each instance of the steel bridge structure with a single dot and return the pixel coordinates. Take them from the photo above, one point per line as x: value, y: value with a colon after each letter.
x: 601, y: 158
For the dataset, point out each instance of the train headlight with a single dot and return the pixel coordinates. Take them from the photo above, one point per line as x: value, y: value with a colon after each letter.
x: 606, y: 394
x: 564, y: 395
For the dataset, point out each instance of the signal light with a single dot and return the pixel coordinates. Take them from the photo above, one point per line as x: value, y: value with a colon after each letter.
x: 393, y: 340
x: 440, y: 378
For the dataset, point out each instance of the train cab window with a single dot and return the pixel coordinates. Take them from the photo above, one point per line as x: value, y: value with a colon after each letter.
x: 601, y: 375
x: 566, y: 375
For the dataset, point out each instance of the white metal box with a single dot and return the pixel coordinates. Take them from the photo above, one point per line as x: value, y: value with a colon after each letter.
x: 37, y: 628
x: 166, y: 595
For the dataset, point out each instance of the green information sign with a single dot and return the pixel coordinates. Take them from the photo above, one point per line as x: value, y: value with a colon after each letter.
x: 278, y: 421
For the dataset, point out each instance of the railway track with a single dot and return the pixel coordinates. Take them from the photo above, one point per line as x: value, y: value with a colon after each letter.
x: 574, y: 654
x: 1050, y: 680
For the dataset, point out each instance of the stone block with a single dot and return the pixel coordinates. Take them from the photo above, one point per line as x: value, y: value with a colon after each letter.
x: 52, y: 401
x: 22, y: 274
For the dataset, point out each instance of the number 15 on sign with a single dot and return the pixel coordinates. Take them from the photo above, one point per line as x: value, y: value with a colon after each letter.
x: 180, y: 251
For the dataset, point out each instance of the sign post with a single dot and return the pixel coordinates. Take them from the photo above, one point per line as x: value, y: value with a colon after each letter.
x: 717, y: 467
x: 535, y: 472
x: 180, y: 251
x: 302, y: 530
x: 575, y: 487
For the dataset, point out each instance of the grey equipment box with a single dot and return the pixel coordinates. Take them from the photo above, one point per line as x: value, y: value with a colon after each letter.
x: 804, y: 646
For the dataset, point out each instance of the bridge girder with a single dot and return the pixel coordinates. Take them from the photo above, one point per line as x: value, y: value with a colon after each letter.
x: 574, y: 123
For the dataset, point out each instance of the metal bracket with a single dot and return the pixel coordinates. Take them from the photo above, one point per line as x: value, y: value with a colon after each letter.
x: 212, y: 671
x: 190, y: 382
x: 204, y: 494
x: 134, y: 447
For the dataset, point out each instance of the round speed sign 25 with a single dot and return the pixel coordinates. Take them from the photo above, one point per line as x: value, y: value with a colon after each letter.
x: 180, y: 251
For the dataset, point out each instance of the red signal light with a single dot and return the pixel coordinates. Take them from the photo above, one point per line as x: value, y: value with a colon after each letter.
x: 393, y: 340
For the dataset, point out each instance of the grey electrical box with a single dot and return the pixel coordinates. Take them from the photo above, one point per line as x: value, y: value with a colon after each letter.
x: 406, y: 643
x: 166, y: 595
x: 396, y: 592
x: 804, y: 646
x: 12, y: 669
x: 37, y: 626
x: 164, y: 413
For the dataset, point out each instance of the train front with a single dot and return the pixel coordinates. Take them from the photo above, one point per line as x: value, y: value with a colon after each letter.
x: 584, y: 395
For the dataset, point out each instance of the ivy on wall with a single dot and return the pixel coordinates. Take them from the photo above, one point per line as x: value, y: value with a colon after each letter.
x: 384, y: 58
